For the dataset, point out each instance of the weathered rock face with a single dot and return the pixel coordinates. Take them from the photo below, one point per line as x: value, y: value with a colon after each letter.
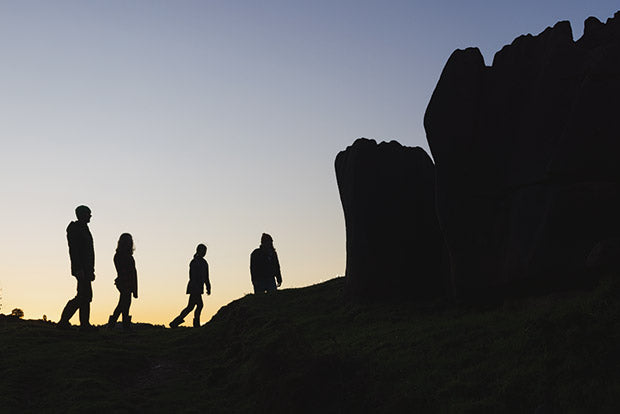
x: 393, y: 239
x: 527, y: 155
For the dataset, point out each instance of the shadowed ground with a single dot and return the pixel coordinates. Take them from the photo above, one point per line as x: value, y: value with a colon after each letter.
x: 308, y: 350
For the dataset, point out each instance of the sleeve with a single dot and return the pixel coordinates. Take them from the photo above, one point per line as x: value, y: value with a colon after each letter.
x: 253, y: 265
x: 134, y: 277
x: 74, y: 254
x: 277, y: 267
x: 117, y: 264
x: 207, y: 282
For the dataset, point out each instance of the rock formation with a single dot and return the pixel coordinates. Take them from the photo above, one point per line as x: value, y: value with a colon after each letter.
x: 527, y: 155
x: 392, y: 235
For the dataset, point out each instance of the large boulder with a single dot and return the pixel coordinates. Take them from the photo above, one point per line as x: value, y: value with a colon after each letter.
x: 527, y: 154
x: 393, y: 241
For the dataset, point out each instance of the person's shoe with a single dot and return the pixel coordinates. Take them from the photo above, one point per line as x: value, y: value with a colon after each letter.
x: 176, y: 322
x: 196, y: 323
x: 127, y: 323
x: 88, y: 328
x: 64, y: 325
x: 111, y: 322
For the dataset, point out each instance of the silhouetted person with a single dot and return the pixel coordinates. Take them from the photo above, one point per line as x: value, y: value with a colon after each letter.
x: 265, y: 267
x: 82, y: 255
x: 127, y: 280
x: 198, y: 276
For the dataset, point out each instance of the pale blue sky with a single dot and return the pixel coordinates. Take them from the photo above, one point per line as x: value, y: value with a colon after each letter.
x: 211, y: 121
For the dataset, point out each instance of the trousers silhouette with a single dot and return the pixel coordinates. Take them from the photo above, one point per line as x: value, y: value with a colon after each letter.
x: 81, y: 301
x: 124, y: 302
x: 195, y: 299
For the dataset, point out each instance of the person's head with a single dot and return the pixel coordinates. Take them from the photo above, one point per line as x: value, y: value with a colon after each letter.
x: 125, y: 244
x: 83, y: 214
x: 201, y: 250
x: 266, y: 240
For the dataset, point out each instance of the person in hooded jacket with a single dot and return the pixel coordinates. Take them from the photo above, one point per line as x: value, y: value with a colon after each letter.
x: 82, y: 256
x: 127, y: 280
x: 198, y: 280
x: 265, y: 267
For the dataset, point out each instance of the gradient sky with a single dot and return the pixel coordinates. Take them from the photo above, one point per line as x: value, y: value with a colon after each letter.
x: 184, y: 122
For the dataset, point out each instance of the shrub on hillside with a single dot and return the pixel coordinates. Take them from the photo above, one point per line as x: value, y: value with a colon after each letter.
x: 17, y: 313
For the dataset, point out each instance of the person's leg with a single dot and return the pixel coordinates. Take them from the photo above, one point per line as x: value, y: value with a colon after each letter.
x: 117, y: 310
x: 197, y: 312
x: 85, y: 314
x: 69, y: 310
x: 190, y: 305
x: 179, y: 319
x: 126, y: 303
x: 85, y: 295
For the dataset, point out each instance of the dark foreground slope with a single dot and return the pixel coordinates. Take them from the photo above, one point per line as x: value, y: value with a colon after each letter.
x: 308, y: 350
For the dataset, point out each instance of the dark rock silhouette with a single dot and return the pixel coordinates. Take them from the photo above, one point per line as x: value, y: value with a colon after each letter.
x: 527, y: 158
x: 605, y: 257
x: 393, y: 241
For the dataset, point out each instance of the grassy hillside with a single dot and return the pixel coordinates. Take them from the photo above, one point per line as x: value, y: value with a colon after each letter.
x: 309, y: 350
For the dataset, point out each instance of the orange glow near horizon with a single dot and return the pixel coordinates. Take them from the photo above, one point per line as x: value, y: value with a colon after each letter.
x: 41, y: 284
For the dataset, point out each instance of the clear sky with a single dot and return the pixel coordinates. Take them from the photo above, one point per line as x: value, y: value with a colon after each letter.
x: 184, y: 122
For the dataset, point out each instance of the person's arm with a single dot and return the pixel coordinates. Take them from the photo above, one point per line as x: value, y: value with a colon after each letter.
x: 77, y: 268
x: 87, y: 252
x: 207, y: 282
x: 134, y: 274
x: 194, y: 276
x: 277, y: 269
x: 253, y: 265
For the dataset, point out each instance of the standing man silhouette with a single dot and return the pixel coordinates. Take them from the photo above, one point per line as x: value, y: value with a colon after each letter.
x: 82, y: 255
x: 198, y: 276
x: 265, y: 267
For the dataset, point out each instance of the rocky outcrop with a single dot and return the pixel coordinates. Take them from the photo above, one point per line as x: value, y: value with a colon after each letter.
x: 527, y: 155
x: 393, y: 241
x: 605, y: 257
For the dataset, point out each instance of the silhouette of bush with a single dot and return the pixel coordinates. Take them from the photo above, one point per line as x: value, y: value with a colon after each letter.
x: 17, y: 313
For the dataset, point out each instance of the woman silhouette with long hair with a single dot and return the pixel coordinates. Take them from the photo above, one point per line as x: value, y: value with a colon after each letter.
x: 127, y: 280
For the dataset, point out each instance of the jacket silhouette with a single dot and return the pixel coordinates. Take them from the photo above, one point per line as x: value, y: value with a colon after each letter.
x: 265, y: 266
x: 81, y: 249
x: 126, y: 281
x: 198, y: 277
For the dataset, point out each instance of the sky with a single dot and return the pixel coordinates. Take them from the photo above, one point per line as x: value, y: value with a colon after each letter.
x: 186, y: 122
